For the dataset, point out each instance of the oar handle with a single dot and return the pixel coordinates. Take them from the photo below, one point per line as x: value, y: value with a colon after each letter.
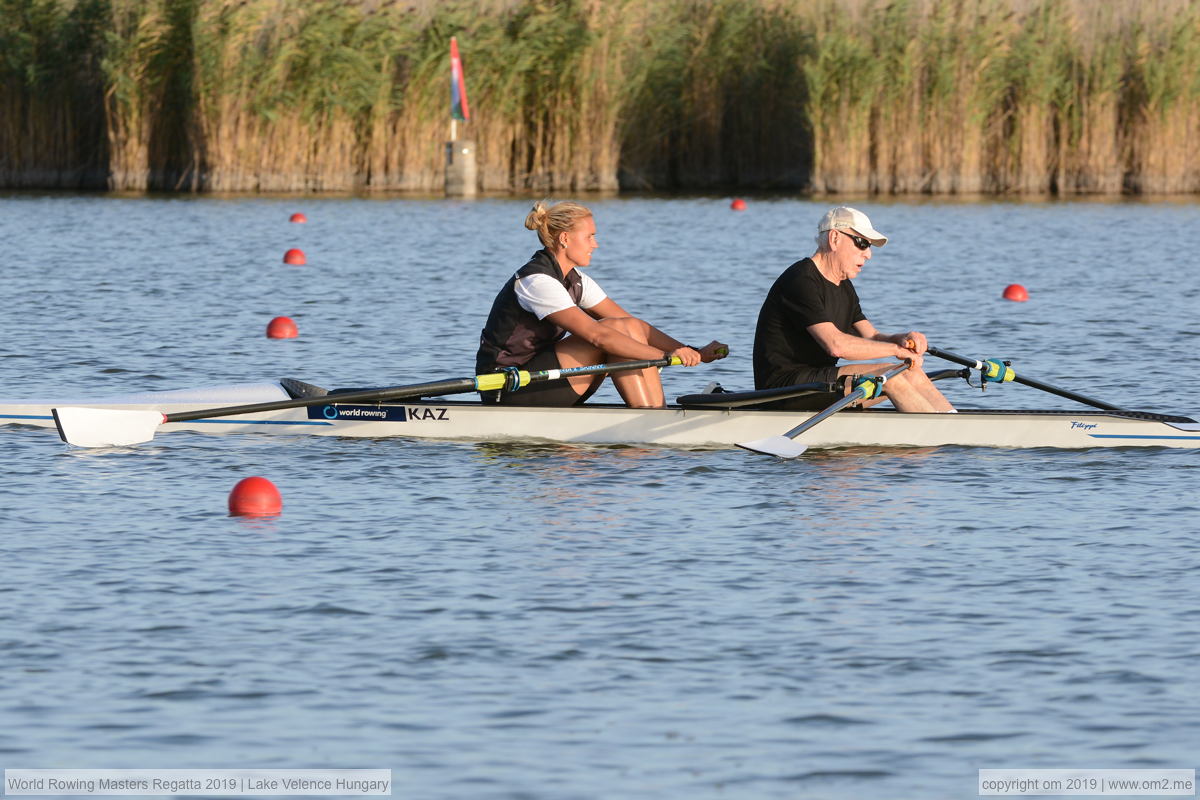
x: 1036, y: 384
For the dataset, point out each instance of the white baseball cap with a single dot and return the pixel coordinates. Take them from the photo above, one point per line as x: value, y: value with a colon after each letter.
x: 843, y: 218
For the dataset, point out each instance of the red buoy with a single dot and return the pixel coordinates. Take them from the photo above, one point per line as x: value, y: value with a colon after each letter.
x: 1016, y: 292
x: 282, y: 328
x: 295, y: 256
x: 738, y: 204
x: 298, y: 217
x: 254, y: 497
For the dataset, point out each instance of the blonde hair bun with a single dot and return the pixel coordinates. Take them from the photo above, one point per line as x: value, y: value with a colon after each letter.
x: 536, y: 219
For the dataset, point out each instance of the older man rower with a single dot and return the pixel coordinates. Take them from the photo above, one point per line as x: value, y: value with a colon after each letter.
x: 811, y: 318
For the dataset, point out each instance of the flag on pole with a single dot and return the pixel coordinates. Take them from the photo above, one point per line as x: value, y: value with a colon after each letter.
x: 458, y: 85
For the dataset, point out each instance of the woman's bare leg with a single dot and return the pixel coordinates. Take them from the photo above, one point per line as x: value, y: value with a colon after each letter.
x: 639, y: 389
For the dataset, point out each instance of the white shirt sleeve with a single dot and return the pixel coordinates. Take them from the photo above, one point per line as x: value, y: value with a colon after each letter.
x: 592, y: 293
x: 542, y: 295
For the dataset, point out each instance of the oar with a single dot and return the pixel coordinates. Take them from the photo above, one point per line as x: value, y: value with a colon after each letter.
x: 998, y: 371
x: 108, y: 427
x: 785, y: 446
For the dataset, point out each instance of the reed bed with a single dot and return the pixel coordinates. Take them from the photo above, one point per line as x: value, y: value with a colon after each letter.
x: 880, y: 96
x: 51, y: 94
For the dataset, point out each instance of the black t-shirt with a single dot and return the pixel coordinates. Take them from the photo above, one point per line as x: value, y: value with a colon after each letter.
x: 800, y: 297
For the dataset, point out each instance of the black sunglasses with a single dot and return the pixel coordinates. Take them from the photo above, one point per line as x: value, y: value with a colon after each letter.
x: 860, y: 242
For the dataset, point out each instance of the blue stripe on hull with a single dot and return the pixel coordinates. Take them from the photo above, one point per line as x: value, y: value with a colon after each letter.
x: 219, y: 421
x: 49, y: 418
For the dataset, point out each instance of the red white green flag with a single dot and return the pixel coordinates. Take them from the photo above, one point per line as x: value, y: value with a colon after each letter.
x: 458, y: 85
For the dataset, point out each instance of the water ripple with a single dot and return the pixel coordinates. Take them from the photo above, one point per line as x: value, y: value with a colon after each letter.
x: 544, y: 621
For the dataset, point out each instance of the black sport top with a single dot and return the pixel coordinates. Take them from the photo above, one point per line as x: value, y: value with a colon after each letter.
x: 800, y: 297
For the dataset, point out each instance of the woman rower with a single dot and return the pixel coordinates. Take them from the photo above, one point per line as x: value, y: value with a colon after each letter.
x: 550, y: 315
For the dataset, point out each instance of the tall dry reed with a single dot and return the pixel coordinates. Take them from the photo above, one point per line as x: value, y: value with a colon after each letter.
x: 51, y: 94
x: 886, y: 96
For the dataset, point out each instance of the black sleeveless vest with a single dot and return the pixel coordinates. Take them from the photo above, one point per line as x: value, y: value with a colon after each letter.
x: 512, y: 335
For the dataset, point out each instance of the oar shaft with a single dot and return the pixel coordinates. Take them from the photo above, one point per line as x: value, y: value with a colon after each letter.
x: 858, y: 394
x: 1018, y: 378
x: 454, y: 386
x: 500, y: 380
x: 1079, y: 398
x: 433, y: 389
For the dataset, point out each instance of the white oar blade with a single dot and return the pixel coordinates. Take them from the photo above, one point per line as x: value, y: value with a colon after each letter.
x: 105, y: 427
x: 779, y: 446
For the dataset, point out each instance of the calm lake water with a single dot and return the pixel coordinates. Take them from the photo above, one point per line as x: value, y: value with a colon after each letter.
x: 564, y: 622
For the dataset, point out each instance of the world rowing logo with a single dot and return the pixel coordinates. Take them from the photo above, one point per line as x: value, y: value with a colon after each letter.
x: 345, y: 413
x: 355, y: 412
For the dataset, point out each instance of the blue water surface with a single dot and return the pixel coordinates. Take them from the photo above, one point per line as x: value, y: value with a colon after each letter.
x: 535, y: 621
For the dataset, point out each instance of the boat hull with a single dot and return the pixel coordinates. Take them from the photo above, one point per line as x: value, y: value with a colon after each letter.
x: 672, y: 427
